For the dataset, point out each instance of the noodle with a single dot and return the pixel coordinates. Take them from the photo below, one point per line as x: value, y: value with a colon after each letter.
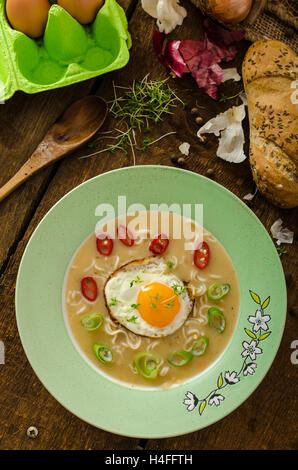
x: 198, y: 291
x: 82, y: 309
x: 189, y: 342
x: 72, y: 294
x: 99, y: 268
x: 116, y: 263
x: 134, y: 345
x: 215, y: 276
x: 153, y: 344
x: 194, y: 276
x: 131, y: 341
x: 164, y: 371
x: 90, y: 266
x: 140, y: 238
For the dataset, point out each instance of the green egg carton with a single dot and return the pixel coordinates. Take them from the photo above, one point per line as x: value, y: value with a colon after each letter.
x: 67, y: 53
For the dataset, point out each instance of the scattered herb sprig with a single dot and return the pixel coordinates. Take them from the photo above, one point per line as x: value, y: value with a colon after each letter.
x: 153, y: 304
x: 281, y: 250
x: 132, y: 319
x: 138, y: 280
x: 114, y: 301
x: 170, y: 304
x: 223, y: 98
x: 135, y: 306
x: 178, y: 290
x: 143, y: 103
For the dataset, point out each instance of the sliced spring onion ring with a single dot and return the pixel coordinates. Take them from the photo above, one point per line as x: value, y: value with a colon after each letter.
x: 218, y: 291
x: 103, y: 353
x: 200, y: 347
x: 216, y: 319
x: 146, y: 365
x: 180, y: 358
x: 92, y: 322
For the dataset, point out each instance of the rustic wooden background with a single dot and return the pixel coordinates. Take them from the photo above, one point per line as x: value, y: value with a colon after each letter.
x: 268, y: 419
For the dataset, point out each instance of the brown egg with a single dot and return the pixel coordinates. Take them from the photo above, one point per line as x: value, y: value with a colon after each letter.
x: 28, y: 16
x: 84, y: 11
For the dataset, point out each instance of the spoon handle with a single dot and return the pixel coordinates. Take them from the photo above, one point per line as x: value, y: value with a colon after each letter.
x: 47, y: 152
x: 22, y: 175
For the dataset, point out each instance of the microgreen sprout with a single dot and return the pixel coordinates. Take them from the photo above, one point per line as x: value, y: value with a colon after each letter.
x: 223, y: 98
x: 281, y: 250
x: 147, y: 142
x: 178, y: 290
x: 170, y: 264
x: 146, y: 100
x: 141, y: 104
x: 114, y: 301
x: 132, y: 319
x: 138, y: 280
x: 170, y: 304
x: 153, y: 305
x: 134, y: 306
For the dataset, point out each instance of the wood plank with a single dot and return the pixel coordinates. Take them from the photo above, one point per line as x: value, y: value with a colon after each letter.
x: 263, y: 421
x: 24, y: 120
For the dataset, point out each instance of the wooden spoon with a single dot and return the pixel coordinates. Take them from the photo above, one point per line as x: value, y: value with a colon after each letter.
x: 75, y: 127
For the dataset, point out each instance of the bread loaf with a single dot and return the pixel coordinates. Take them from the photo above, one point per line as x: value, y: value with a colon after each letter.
x: 270, y: 78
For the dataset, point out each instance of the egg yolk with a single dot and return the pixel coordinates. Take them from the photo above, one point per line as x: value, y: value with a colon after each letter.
x: 158, y: 304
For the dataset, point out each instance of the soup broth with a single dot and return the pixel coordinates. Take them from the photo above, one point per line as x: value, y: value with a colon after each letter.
x: 125, y: 344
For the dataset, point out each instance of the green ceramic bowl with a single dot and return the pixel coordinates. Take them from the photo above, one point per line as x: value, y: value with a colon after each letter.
x: 150, y: 413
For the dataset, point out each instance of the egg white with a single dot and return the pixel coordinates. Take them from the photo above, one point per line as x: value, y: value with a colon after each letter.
x: 123, y: 286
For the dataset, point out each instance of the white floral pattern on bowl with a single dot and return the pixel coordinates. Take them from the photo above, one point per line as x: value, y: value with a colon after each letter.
x: 259, y: 332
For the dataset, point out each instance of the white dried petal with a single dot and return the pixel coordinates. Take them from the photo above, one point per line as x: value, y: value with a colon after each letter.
x: 168, y: 13
x: 249, y: 196
x: 282, y: 235
x: 228, y: 126
x: 150, y: 7
x: 230, y: 147
x: 184, y: 148
x: 243, y: 98
x: 231, y: 74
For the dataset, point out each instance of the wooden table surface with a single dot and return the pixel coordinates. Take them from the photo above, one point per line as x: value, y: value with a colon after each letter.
x: 268, y: 419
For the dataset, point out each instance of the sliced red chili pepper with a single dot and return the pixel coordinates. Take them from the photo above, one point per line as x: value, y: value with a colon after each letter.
x: 159, y: 245
x: 89, y: 288
x: 104, y: 245
x: 125, y: 235
x: 202, y: 255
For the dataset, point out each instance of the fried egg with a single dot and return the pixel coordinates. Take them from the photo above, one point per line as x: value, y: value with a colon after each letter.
x: 147, y: 299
